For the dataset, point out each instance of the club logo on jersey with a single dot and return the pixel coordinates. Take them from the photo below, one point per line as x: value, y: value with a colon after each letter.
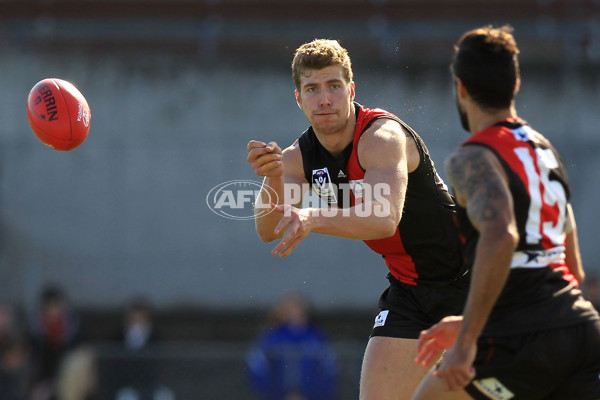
x: 493, y: 389
x: 323, y: 186
x: 380, y: 319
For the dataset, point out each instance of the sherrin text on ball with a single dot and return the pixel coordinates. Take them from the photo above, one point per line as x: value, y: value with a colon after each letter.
x: 58, y: 114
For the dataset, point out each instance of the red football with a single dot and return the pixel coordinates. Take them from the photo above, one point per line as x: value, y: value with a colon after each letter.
x: 58, y: 114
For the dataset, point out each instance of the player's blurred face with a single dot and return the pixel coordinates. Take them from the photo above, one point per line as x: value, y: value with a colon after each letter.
x: 326, y: 99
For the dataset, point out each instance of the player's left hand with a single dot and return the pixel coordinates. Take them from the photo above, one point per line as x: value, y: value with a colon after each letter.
x: 296, y: 224
x: 456, y: 368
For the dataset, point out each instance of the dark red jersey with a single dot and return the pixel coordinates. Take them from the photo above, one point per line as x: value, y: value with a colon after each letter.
x: 536, y: 295
x: 426, y: 247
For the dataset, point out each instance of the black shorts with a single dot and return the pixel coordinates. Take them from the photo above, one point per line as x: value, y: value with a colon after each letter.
x: 554, y: 364
x: 406, y: 310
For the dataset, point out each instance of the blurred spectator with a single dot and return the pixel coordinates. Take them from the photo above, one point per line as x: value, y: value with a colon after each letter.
x: 138, y: 329
x: 292, y: 359
x: 54, y: 331
x: 137, y: 375
x: 14, y: 357
x: 14, y: 370
x: 591, y: 290
x: 77, y: 377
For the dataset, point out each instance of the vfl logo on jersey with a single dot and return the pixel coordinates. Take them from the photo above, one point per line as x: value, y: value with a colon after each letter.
x: 322, y: 185
x: 380, y: 319
x: 493, y: 389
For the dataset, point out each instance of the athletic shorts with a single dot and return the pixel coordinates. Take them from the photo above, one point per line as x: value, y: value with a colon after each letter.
x: 554, y: 364
x: 406, y: 310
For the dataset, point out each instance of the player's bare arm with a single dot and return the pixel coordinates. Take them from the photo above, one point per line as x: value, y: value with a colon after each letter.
x: 279, y: 168
x: 572, y: 252
x: 481, y: 186
x: 382, y: 153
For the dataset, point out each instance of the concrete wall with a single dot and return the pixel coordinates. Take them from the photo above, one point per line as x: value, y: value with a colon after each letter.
x: 125, y: 213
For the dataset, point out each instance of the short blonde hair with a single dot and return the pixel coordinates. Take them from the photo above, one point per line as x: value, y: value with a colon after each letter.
x: 318, y: 54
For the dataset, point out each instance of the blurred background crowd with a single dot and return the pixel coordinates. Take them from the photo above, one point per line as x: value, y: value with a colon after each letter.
x: 50, y: 357
x: 118, y: 282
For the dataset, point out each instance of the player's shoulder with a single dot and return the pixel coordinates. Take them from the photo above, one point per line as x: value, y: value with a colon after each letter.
x: 384, y: 142
x: 384, y: 130
x: 471, y: 157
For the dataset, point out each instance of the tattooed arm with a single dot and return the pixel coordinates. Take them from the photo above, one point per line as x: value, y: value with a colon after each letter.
x: 481, y: 186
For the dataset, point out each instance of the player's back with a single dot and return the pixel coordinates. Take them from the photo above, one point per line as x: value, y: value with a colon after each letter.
x: 539, y: 293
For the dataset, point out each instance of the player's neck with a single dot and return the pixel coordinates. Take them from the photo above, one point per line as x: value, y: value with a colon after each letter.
x: 480, y: 119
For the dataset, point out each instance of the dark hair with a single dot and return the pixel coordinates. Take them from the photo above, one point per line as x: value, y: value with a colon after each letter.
x: 486, y: 61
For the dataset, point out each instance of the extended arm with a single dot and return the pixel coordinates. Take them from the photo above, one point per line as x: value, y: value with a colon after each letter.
x: 481, y: 186
x: 382, y: 153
